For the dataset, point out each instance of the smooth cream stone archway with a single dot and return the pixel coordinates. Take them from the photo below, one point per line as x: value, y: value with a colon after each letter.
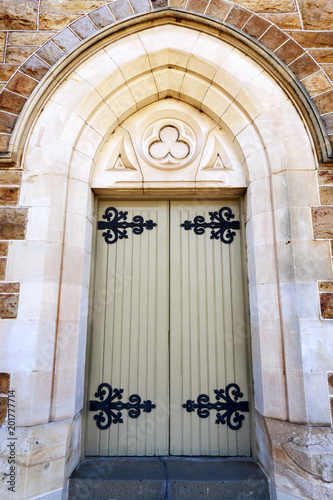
x: 107, y: 85
x: 235, y: 92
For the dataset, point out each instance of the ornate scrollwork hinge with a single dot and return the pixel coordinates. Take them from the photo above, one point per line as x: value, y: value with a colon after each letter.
x: 116, y: 225
x: 221, y: 225
x: 109, y: 409
x: 230, y: 407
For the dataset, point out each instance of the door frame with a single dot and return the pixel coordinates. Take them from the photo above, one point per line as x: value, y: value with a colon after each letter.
x: 169, y: 195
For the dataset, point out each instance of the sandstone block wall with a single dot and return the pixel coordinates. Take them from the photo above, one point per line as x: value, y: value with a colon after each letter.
x: 35, y: 34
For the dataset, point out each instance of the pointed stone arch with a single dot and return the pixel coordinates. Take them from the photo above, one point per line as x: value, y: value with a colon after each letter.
x: 46, y: 58
x: 277, y: 134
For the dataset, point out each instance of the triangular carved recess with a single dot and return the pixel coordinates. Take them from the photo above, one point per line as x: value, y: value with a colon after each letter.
x: 218, y: 163
x: 119, y: 164
x: 119, y: 159
x: 214, y: 160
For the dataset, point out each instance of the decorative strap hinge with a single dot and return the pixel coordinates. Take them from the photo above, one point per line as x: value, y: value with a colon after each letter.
x: 220, y: 224
x: 116, y: 225
x: 110, y: 407
x: 227, y: 405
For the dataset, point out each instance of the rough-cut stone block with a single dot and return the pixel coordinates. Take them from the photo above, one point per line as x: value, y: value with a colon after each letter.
x: 302, y: 458
x: 10, y: 178
x: 66, y: 40
x: 7, y: 122
x: 17, y: 55
x: 256, y: 26
x: 70, y: 6
x: 317, y: 83
x: 219, y: 9
x: 322, y: 221
x: 4, y: 143
x: 18, y: 14
x: 3, y: 410
x: 2, y: 46
x: 50, y: 53
x: 180, y: 4
x: 3, y: 265
x: 287, y: 21
x: 331, y: 407
x: 328, y: 120
x: 142, y: 6
x: 316, y: 14
x: 4, y: 383
x: 196, y: 5
x: 328, y: 68
x: 313, y: 39
x: 326, y: 305
x: 325, y: 177
x: 322, y: 55
x: 6, y: 71
x: 304, y: 66
x: 159, y: 4
x: 325, y: 286
x: 268, y: 6
x: 9, y: 288
x: 8, y: 305
x: 273, y: 38
x: 22, y: 84
x: 27, y: 38
x: 13, y: 223
x: 238, y: 16
x: 35, y: 67
x: 330, y: 380
x: 9, y: 196
x: 324, y: 102
x: 121, y: 9
x: 326, y: 195
x: 83, y: 27
x: 289, y: 52
x: 55, y: 21
x: 3, y: 248
x: 101, y: 17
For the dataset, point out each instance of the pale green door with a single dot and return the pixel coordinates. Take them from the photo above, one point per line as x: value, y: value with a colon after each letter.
x: 168, y: 326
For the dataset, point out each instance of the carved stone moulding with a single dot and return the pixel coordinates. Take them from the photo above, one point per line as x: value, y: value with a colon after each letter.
x: 166, y: 143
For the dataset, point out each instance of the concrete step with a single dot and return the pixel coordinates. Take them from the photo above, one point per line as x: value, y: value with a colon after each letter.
x: 168, y: 478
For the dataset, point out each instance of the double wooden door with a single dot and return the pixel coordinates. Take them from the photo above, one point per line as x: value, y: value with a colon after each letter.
x: 168, y: 329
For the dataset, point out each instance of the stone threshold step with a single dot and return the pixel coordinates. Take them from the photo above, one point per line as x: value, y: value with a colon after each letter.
x: 168, y: 478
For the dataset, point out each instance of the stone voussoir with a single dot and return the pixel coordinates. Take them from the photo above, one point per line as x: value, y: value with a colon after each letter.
x: 238, y: 15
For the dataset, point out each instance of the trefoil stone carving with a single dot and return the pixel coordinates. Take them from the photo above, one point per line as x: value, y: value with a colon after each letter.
x: 169, y: 145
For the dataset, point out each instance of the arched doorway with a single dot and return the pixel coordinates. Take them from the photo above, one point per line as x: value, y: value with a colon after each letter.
x: 170, y: 316
x: 106, y: 85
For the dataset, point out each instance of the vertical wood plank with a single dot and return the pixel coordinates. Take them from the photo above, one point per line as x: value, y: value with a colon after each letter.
x: 206, y: 318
